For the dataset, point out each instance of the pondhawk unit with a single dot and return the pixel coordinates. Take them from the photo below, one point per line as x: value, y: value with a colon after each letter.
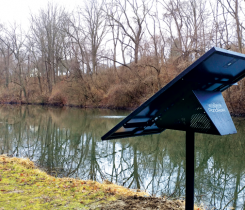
x: 191, y: 102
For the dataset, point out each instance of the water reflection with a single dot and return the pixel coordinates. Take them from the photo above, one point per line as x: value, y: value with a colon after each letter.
x: 66, y: 142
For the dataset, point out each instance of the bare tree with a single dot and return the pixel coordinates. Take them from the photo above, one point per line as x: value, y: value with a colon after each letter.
x: 6, y: 55
x: 76, y: 40
x: 47, y: 37
x: 233, y: 8
x: 131, y: 24
x: 14, y: 40
x: 158, y: 44
x: 115, y: 31
x: 94, y: 29
x: 190, y: 21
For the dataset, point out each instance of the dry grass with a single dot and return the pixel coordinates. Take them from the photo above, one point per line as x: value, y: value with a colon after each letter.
x: 123, y: 88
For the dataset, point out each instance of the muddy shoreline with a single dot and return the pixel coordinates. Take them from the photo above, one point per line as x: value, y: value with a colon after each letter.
x: 70, y: 105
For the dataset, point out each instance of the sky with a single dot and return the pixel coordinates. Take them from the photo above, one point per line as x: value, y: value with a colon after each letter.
x: 19, y: 10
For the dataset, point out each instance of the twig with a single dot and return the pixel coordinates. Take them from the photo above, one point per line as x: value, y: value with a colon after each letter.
x: 228, y: 203
x: 233, y: 198
x: 171, y: 195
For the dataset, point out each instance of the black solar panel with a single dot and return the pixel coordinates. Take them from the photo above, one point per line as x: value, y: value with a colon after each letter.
x: 192, y: 101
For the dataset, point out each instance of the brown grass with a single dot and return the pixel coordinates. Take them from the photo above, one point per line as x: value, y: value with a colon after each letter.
x: 123, y: 88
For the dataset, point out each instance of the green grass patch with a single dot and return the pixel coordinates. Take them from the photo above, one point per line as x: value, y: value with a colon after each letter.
x: 23, y: 187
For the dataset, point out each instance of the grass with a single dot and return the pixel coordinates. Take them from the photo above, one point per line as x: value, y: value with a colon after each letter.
x: 22, y: 186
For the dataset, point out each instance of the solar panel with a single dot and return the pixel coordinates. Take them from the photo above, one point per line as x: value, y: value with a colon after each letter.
x: 192, y: 101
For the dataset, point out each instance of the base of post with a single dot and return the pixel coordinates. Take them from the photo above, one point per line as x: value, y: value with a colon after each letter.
x: 190, y: 170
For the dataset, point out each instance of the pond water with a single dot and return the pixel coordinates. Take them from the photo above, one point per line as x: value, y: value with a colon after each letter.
x: 66, y: 142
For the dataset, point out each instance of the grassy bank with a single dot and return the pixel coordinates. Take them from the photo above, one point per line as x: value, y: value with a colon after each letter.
x: 22, y: 186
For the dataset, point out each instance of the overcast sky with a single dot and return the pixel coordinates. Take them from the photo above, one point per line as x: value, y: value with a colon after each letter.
x: 19, y: 10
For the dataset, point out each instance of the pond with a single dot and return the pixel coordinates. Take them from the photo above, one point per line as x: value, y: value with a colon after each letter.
x: 66, y: 142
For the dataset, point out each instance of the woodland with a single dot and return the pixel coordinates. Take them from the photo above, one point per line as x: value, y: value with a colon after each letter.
x: 114, y: 53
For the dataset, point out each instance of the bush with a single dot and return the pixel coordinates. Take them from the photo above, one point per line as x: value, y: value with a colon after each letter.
x: 57, y: 99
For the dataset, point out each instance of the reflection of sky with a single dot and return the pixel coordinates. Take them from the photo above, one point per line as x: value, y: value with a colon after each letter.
x: 115, y: 117
x: 73, y: 157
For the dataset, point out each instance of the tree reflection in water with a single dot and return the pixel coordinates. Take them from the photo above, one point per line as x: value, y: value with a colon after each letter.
x: 66, y: 142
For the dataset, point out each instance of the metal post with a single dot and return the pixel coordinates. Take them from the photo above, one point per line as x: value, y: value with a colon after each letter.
x: 190, y: 170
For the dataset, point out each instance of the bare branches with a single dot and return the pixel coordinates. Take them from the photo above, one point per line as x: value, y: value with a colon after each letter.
x: 131, y: 25
x: 233, y: 8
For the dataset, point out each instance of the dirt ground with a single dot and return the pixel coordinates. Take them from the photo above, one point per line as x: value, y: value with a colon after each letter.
x: 146, y: 203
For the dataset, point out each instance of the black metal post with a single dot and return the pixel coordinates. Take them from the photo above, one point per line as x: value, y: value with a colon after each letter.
x: 190, y: 170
